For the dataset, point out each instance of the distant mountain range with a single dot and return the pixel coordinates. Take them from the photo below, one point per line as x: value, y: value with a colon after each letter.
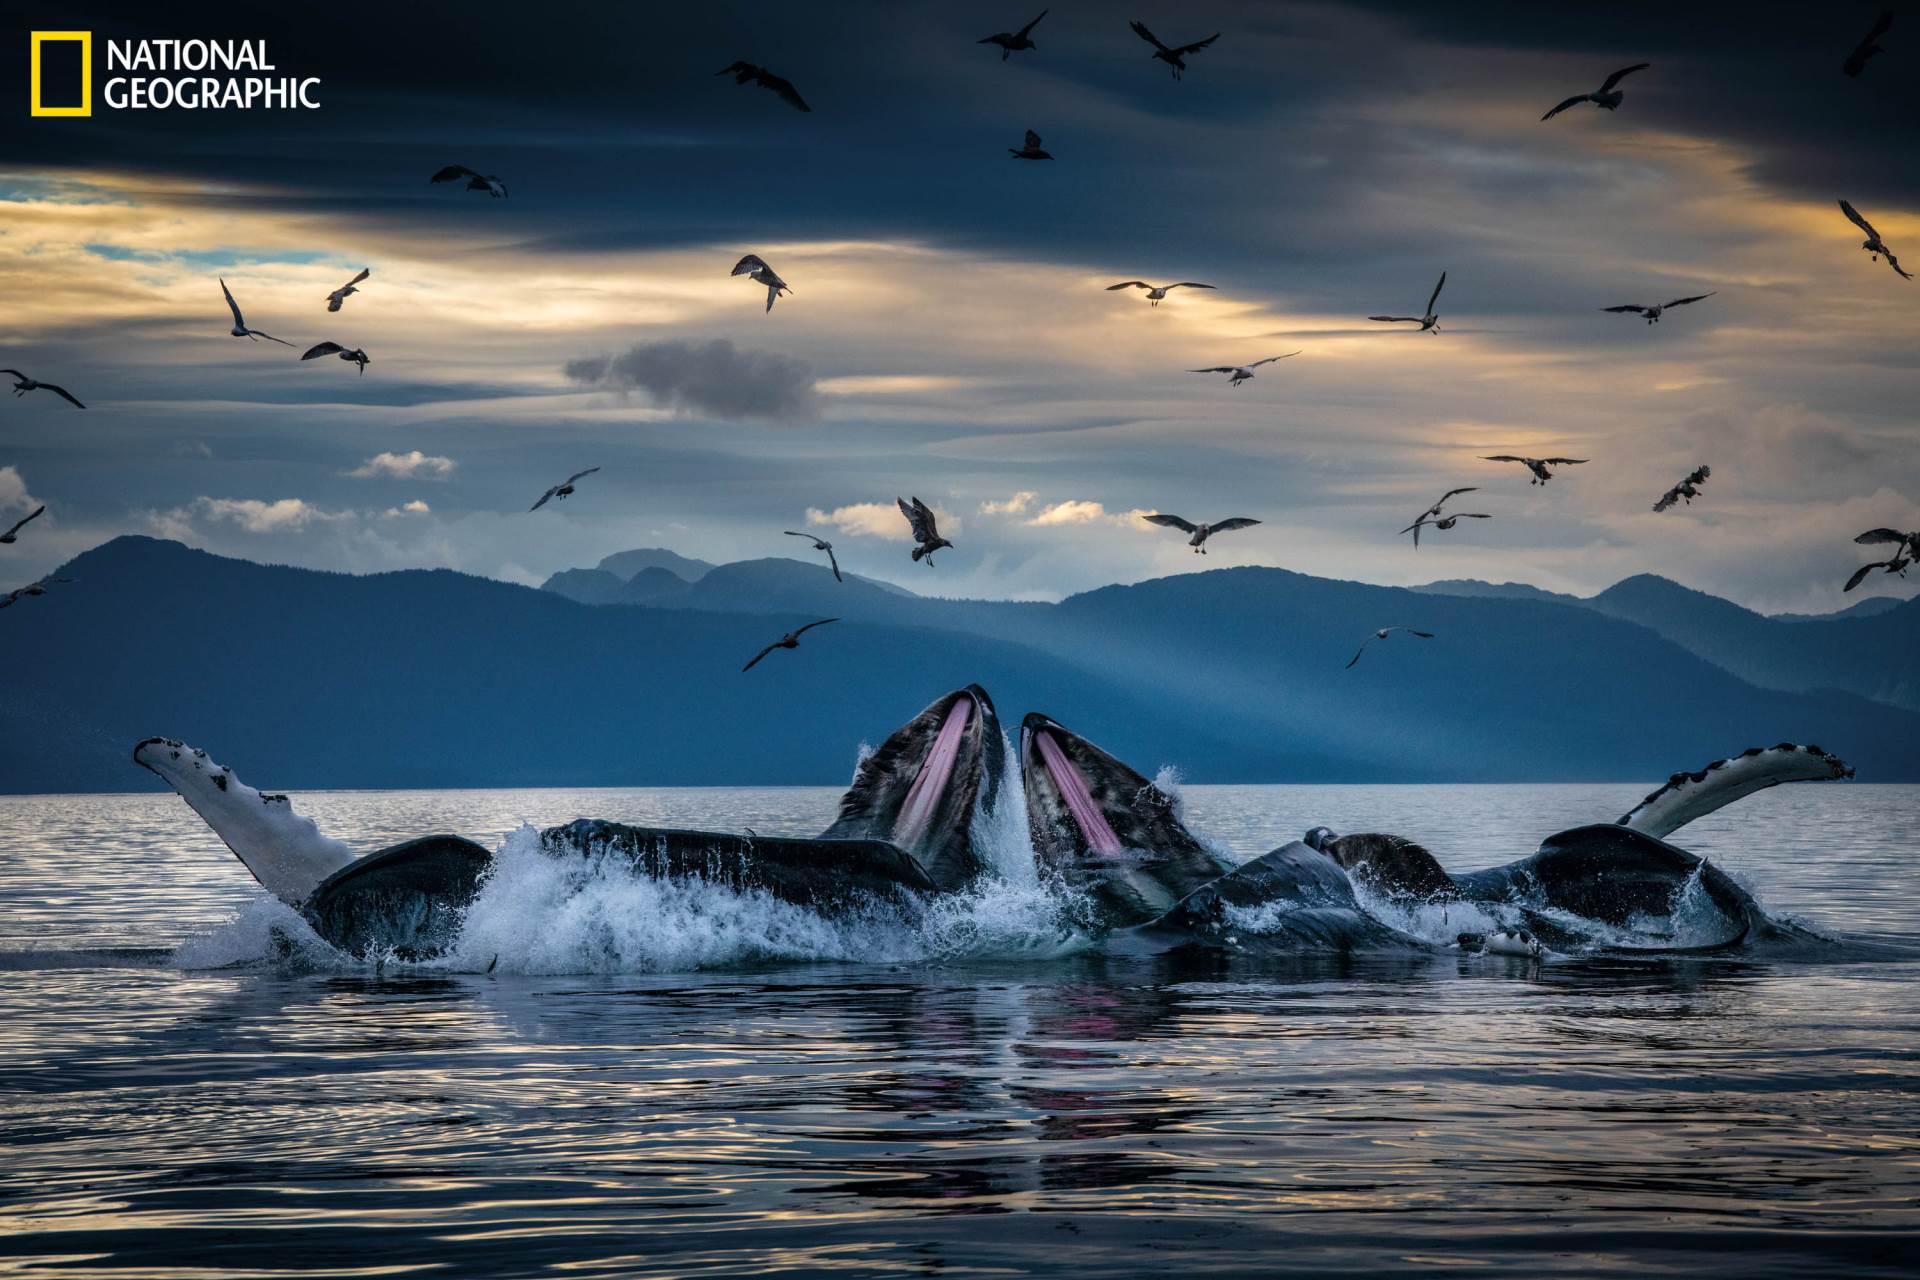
x: 628, y: 674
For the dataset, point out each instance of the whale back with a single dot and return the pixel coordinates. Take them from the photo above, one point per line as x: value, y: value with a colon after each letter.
x: 1295, y: 898
x: 1393, y: 866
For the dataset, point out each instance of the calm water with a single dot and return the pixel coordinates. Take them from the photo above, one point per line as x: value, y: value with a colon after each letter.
x: 980, y: 1102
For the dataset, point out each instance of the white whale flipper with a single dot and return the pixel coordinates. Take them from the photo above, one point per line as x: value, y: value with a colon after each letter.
x: 1688, y: 796
x: 286, y: 853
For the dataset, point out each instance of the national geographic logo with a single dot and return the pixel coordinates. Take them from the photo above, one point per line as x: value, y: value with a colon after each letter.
x: 160, y: 75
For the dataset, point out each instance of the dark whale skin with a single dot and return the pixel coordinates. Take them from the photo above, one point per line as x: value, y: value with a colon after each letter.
x: 408, y: 900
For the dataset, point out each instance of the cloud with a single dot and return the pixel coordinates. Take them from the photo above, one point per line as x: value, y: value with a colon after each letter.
x: 879, y: 520
x: 715, y: 379
x: 414, y: 508
x: 411, y: 465
x: 13, y: 491
x: 287, y: 515
x: 192, y: 449
x: 1013, y: 506
x: 1074, y: 511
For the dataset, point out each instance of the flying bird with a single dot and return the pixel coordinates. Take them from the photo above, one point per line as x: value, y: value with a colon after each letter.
x: 31, y: 589
x: 1443, y: 524
x: 562, y: 490
x: 1430, y: 322
x: 1012, y: 42
x: 755, y: 268
x: 1175, y: 58
x: 1871, y: 536
x: 1607, y: 97
x: 926, y: 533
x: 744, y: 72
x: 1157, y: 292
x: 1687, y: 490
x: 1242, y: 372
x: 1873, y: 244
x: 352, y: 355
x: 1536, y: 465
x: 1899, y: 564
x: 13, y: 534
x: 340, y: 295
x: 1653, y: 313
x: 1382, y: 634
x: 1432, y: 514
x: 23, y: 384
x: 1032, y: 150
x: 791, y: 640
x: 1869, y: 46
x: 475, y: 181
x: 240, y: 329
x: 821, y: 544
x: 1200, y: 532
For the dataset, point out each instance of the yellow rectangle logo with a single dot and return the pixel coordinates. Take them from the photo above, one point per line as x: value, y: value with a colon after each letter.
x: 85, y: 40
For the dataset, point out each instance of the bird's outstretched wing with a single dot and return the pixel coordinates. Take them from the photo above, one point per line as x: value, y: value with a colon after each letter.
x: 1189, y: 284
x: 1196, y: 46
x: 1129, y: 284
x: 1393, y: 319
x: 241, y: 323
x: 1667, y: 499
x: 544, y: 497
x: 1681, y: 302
x: 1140, y: 29
x: 1415, y: 528
x: 1026, y: 30
x: 64, y: 394
x: 37, y: 512
x: 1033, y: 140
x: 364, y: 273
x: 750, y: 263
x: 1169, y: 521
x: 783, y: 87
x: 831, y: 559
x: 1220, y: 368
x: 1699, y: 474
x: 1235, y: 522
x: 1357, y: 652
x: 1424, y: 635
x: 1574, y: 101
x: 1853, y: 216
x: 1881, y: 535
x: 1621, y: 74
x: 919, y: 519
x: 1436, y: 294
x: 1471, y: 515
x: 1454, y: 493
x: 323, y: 349
x: 1500, y: 457
x: 453, y: 173
x: 1861, y: 573
x: 1562, y: 462
x: 1270, y: 359
x: 1634, y: 307
x: 269, y: 337
x: 579, y: 474
x: 1895, y: 264
x: 811, y: 625
x: 763, y: 653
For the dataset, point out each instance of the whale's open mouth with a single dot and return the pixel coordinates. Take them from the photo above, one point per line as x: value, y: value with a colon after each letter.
x: 1104, y: 829
x: 921, y: 787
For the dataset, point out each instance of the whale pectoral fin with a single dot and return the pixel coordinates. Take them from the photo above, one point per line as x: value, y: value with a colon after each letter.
x: 287, y: 853
x: 1688, y: 796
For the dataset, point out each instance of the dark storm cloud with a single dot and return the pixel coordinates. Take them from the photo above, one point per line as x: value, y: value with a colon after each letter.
x: 713, y: 379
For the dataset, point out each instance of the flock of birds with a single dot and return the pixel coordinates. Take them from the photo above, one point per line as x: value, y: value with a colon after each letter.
x: 921, y: 521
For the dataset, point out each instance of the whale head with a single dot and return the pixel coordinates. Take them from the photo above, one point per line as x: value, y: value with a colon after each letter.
x: 1105, y: 830
x: 921, y: 787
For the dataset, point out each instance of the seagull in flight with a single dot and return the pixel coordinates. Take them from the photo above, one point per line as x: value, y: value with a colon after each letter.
x: 1899, y: 564
x: 1382, y: 634
x: 1200, y: 532
x: 1432, y: 514
x: 353, y: 355
x: 1430, y: 322
x: 240, y: 329
x: 1869, y: 46
x: 1444, y: 523
x: 475, y: 181
x: 821, y: 544
x: 1032, y: 150
x: 1687, y: 490
x: 23, y: 384
x: 31, y: 589
x: 1653, y: 313
x: 755, y: 268
x: 1873, y: 244
x: 1175, y: 58
x: 1242, y: 372
x: 1536, y: 465
x: 926, y: 533
x: 562, y: 490
x: 791, y: 640
x: 1012, y: 42
x: 1607, y: 97
x: 1869, y: 538
x: 1157, y: 292
x: 13, y: 535
x: 744, y: 72
x: 339, y: 296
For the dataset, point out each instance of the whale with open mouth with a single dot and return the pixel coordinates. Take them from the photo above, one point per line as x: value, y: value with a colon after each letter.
x: 905, y: 831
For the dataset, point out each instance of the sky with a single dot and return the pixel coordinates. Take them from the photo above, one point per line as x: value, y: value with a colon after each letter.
x: 949, y: 334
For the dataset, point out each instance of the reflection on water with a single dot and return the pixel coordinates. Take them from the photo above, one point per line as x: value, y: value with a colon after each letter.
x: 1085, y: 1115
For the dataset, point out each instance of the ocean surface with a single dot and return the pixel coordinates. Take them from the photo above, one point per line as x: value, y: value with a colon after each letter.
x: 653, y: 1081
